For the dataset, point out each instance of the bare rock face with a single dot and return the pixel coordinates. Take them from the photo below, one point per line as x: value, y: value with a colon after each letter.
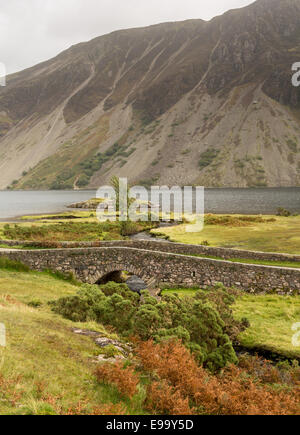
x: 176, y: 103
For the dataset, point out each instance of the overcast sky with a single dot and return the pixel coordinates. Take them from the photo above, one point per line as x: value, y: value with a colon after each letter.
x: 32, y: 31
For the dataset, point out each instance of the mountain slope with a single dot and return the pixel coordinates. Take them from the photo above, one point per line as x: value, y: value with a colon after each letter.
x: 177, y: 103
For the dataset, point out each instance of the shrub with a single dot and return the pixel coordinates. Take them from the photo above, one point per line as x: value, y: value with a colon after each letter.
x: 223, y: 299
x: 35, y: 303
x: 232, y: 392
x: 128, y: 228
x: 124, y: 379
x: 166, y: 400
x: 92, y: 304
x: 283, y: 212
x: 192, y: 319
x: 66, y: 231
x: 235, y: 221
x: 195, y: 320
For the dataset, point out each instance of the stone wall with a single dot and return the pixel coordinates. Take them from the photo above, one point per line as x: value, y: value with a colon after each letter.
x: 91, y: 264
x: 177, y: 248
x: 181, y: 248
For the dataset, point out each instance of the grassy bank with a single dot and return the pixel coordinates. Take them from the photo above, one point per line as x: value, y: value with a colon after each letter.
x: 46, y: 368
x: 266, y: 234
x: 271, y: 319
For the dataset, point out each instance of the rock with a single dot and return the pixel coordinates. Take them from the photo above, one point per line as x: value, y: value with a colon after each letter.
x: 102, y: 342
x: 102, y: 359
x: 86, y: 332
x: 136, y: 284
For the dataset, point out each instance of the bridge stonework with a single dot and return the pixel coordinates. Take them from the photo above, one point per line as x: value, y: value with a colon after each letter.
x: 156, y: 267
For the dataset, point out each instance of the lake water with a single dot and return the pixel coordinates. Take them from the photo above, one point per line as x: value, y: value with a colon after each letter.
x: 252, y: 201
x: 243, y: 201
x: 19, y: 203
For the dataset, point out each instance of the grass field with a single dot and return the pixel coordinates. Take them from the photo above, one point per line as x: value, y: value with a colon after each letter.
x: 271, y: 319
x: 45, y: 367
x: 258, y: 233
x: 77, y: 226
x: 280, y: 235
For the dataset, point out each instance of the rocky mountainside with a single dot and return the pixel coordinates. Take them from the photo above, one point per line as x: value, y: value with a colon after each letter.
x: 191, y: 102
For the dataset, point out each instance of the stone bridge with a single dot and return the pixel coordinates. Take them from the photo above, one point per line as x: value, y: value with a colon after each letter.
x: 159, y: 264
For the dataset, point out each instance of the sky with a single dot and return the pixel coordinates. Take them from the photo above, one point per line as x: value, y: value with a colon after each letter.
x: 32, y: 31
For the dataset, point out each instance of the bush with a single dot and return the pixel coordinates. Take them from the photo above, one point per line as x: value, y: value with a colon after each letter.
x: 232, y: 392
x: 223, y: 299
x: 128, y: 228
x: 124, y: 379
x: 66, y: 231
x: 194, y: 320
x: 35, y: 303
x: 92, y: 304
x: 162, y: 399
x: 283, y: 212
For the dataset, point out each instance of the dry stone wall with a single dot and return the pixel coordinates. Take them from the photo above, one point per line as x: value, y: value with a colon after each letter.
x: 157, y: 267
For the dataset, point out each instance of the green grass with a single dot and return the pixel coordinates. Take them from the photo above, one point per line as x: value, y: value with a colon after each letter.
x: 42, y: 350
x: 271, y: 318
x: 281, y: 236
x: 180, y: 291
x: 69, y: 230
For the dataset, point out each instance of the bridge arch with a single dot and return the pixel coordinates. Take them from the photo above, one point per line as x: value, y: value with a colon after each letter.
x: 102, y: 276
